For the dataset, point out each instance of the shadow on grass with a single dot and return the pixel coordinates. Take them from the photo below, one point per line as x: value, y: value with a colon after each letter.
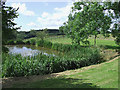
x: 60, y: 82
x: 110, y: 47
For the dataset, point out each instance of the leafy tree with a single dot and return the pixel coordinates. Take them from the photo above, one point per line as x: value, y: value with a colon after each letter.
x: 115, y: 7
x: 8, y: 29
x: 32, y: 33
x: 8, y: 26
x: 21, y: 35
x: 61, y: 28
x: 85, y: 20
x: 42, y: 34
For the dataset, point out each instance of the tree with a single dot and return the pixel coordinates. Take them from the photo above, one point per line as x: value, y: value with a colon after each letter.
x: 21, y: 35
x: 85, y: 20
x: 61, y: 28
x: 8, y: 26
x: 115, y: 7
x: 42, y: 34
x: 8, y: 29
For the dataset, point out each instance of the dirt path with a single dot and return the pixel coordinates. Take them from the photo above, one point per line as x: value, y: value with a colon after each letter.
x: 8, y: 82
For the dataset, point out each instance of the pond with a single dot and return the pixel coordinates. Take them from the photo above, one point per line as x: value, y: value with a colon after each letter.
x: 31, y: 50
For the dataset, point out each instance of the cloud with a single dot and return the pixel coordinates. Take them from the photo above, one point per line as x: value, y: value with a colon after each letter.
x: 45, y: 14
x: 56, y: 19
x: 31, y: 24
x: 23, y: 9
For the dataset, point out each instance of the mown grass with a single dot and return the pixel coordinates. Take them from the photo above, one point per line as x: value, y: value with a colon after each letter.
x: 104, y: 75
x: 66, y: 40
x: 108, y: 42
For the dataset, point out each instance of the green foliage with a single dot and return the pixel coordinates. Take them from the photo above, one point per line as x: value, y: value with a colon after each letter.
x: 55, y: 46
x: 32, y: 33
x: 93, y: 77
x: 44, y: 43
x: 47, y: 44
x: 86, y: 19
x: 42, y: 64
x: 27, y: 42
x: 39, y: 43
x: 42, y: 34
x: 19, y: 42
x: 11, y: 42
x: 115, y: 8
x: 32, y: 41
x: 116, y: 32
x: 8, y: 29
x: 5, y: 49
x: 21, y: 35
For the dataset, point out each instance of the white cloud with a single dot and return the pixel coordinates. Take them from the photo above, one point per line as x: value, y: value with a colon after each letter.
x: 45, y: 14
x: 56, y: 19
x: 23, y: 9
x: 31, y: 24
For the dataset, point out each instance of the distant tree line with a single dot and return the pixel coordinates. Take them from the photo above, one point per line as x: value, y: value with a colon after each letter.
x: 33, y: 33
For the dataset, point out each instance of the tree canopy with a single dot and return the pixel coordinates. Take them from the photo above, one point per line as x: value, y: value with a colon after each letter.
x: 42, y: 34
x: 91, y: 18
x: 8, y: 24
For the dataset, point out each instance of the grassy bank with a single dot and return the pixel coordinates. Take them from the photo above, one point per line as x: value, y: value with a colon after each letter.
x: 103, y: 75
x: 16, y: 65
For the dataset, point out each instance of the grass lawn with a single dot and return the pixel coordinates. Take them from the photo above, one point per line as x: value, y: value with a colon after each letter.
x: 100, y: 40
x: 103, y: 75
x: 108, y: 42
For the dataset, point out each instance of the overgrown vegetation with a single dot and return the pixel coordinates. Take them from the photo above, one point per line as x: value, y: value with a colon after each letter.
x: 42, y: 64
x: 100, y: 76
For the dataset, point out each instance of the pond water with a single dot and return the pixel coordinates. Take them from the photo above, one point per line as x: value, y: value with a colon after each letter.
x: 30, y: 50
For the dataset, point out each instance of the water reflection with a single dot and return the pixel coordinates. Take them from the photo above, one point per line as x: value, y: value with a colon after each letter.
x: 30, y: 50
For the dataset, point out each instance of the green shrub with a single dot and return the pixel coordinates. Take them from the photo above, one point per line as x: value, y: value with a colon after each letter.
x: 44, y: 43
x: 5, y: 49
x: 19, y: 42
x: 47, y: 44
x: 27, y: 42
x: 32, y: 41
x: 11, y: 42
x: 39, y: 43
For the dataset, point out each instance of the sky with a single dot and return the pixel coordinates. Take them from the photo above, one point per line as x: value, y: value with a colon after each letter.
x: 41, y: 15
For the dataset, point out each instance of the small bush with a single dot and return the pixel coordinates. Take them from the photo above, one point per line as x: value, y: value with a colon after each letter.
x: 5, y: 49
x: 32, y: 41
x: 19, y: 42
x: 11, y: 42
x: 47, y: 44
x: 39, y: 43
x: 44, y: 43
x: 27, y: 42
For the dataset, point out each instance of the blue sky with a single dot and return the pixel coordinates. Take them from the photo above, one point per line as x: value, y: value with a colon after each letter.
x: 40, y: 15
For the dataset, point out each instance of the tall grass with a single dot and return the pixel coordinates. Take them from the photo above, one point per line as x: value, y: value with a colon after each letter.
x: 75, y: 57
x: 42, y: 64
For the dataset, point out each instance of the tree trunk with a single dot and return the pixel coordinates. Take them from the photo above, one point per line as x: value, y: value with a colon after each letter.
x: 95, y: 40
